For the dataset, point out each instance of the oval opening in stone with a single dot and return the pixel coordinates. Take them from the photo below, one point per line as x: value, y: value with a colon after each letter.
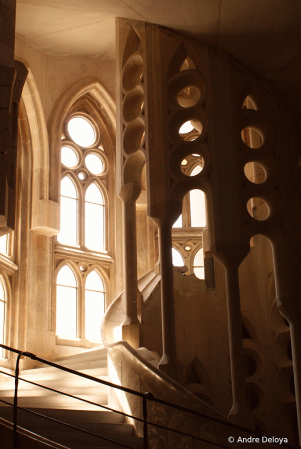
x: 82, y: 175
x: 81, y: 131
x: 94, y: 164
x: 189, y: 96
x: 255, y: 172
x: 190, y: 130
x: 134, y: 136
x: 132, y: 73
x: 69, y: 157
x: 252, y: 137
x: 258, y: 209
x: 197, y: 167
x: 133, y: 104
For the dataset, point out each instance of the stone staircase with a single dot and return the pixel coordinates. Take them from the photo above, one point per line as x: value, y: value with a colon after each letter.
x: 71, y: 411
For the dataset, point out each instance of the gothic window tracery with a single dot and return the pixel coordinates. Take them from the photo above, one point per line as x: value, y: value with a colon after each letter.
x: 187, y: 229
x: 82, y: 248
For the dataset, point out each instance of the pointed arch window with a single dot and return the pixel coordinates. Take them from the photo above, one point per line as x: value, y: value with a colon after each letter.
x: 82, y: 251
x: 198, y: 264
x: 94, y: 305
x: 188, y: 235
x: 3, y: 301
x: 66, y: 303
x: 69, y: 209
x: 94, y: 218
x: 177, y: 259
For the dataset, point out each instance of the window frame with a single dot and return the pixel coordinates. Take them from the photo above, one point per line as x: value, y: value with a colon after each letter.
x: 81, y: 277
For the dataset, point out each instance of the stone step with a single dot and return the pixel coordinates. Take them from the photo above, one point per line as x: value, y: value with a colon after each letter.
x: 101, y: 423
x: 69, y: 416
x: 54, y: 373
x: 57, y: 383
x: 60, y: 401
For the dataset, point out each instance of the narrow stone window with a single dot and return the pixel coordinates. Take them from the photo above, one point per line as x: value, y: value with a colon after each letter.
x: 69, y: 199
x: 177, y: 259
x: 66, y: 303
x: 198, y: 264
x: 94, y: 306
x: 2, y: 311
x: 94, y: 218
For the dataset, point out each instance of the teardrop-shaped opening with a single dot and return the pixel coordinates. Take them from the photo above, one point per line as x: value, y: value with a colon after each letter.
x: 258, y: 209
x: 132, y: 73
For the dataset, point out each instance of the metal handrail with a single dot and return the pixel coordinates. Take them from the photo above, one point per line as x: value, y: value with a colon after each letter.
x: 145, y: 397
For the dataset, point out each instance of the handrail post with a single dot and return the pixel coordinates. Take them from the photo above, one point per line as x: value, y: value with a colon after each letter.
x: 15, y: 435
x: 17, y: 370
x: 146, y: 396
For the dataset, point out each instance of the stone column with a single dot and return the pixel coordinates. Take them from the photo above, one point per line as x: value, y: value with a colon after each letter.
x: 286, y: 257
x: 12, y: 78
x: 240, y: 411
x: 169, y: 363
x: 130, y: 327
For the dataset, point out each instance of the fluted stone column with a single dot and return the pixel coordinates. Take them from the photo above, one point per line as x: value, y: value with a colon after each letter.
x: 130, y: 327
x: 169, y: 363
x: 240, y: 411
x: 286, y: 257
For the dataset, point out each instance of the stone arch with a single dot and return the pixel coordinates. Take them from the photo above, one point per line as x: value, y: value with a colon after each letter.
x: 44, y: 212
x: 89, y: 85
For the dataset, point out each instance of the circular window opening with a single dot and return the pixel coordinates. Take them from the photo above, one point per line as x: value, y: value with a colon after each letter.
x: 190, y: 130
x: 94, y: 164
x: 258, y: 209
x: 187, y: 248
x: 189, y: 96
x: 81, y: 131
x: 83, y: 267
x: 69, y: 158
x: 255, y: 172
x: 82, y: 175
x: 252, y: 137
x: 184, y: 162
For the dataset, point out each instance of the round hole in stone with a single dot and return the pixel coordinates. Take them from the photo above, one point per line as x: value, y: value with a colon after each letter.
x: 83, y: 267
x: 258, y: 209
x: 82, y: 175
x: 187, y: 248
x: 132, y: 73
x: 81, y: 131
x: 252, y: 137
x: 197, y: 168
x: 94, y: 164
x: 250, y: 365
x: 255, y: 172
x: 134, y: 136
x: 133, y: 104
x: 190, y: 130
x: 69, y: 158
x: 184, y: 162
x: 189, y: 96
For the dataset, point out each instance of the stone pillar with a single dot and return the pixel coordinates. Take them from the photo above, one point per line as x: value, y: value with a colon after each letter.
x: 12, y: 78
x: 169, y: 363
x: 130, y: 327
x: 240, y: 411
x: 286, y: 257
